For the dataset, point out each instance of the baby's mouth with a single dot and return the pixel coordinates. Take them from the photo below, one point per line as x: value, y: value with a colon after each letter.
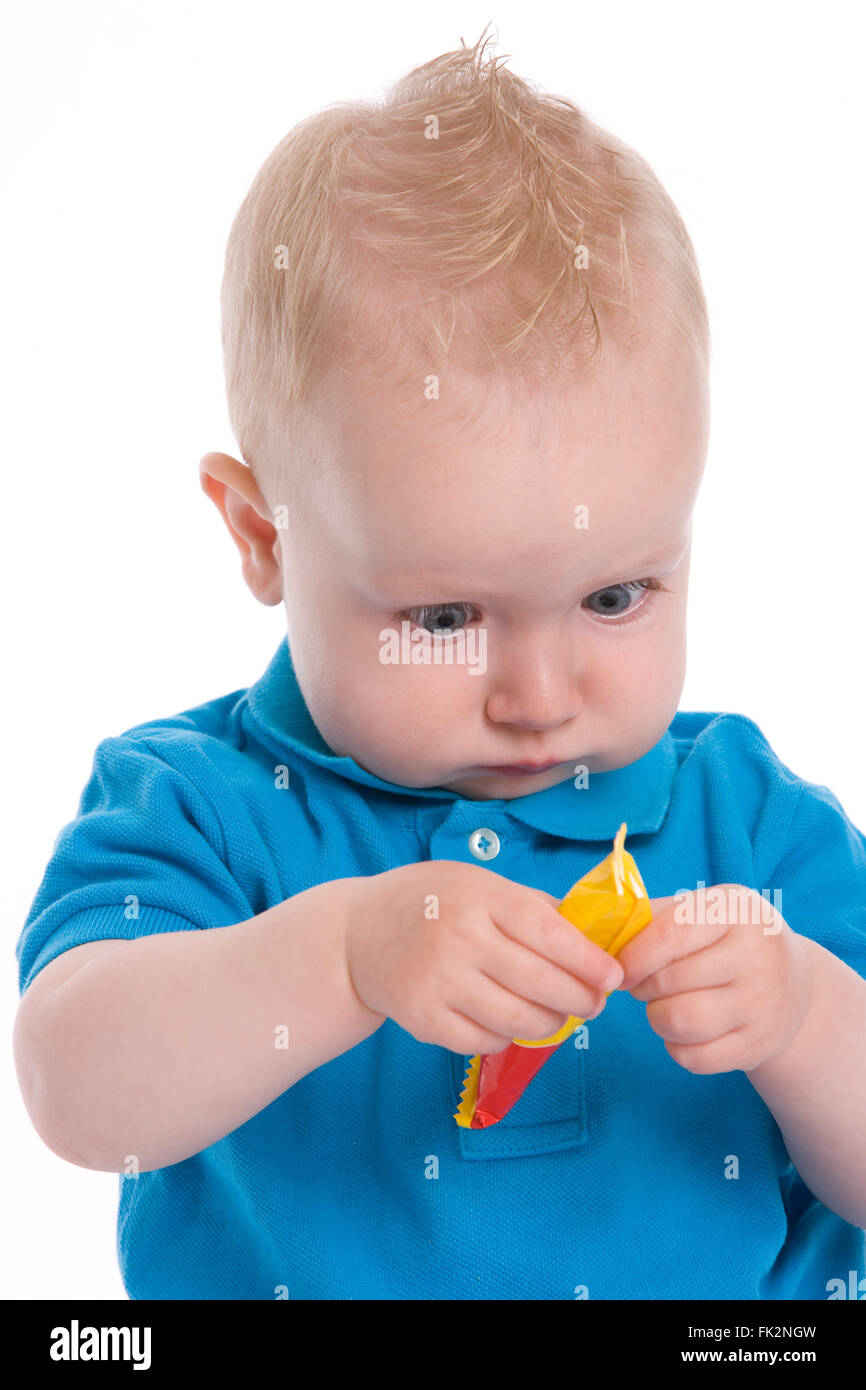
x: 520, y: 769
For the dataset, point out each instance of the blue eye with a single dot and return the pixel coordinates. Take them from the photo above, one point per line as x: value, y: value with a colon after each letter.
x: 616, y: 600
x: 612, y: 602
x: 444, y: 614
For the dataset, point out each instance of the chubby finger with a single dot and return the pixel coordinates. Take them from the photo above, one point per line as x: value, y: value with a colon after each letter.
x: 459, y: 1033
x: 538, y: 926
x: 533, y: 977
x: 546, y: 897
x: 501, y: 1011
x: 697, y: 1017
x: 713, y: 966
x: 664, y: 940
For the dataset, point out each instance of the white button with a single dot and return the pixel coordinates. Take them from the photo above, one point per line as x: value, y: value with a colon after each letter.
x: 484, y: 844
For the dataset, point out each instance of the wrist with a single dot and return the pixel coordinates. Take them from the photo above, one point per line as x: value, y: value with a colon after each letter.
x: 346, y: 922
x: 813, y: 960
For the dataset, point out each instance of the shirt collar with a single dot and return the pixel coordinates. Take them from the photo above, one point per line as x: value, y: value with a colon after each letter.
x: 638, y: 794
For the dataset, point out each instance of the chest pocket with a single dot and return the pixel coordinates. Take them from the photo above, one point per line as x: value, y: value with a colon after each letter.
x: 549, y: 1116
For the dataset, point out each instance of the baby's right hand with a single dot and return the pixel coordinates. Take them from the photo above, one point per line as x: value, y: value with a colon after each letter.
x: 497, y: 962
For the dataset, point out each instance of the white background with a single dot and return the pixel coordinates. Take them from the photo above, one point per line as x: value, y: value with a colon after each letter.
x: 131, y: 133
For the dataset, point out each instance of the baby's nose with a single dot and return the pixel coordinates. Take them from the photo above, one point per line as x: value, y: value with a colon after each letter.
x: 534, y: 699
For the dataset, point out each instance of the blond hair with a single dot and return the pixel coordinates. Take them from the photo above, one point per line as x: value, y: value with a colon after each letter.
x: 439, y: 231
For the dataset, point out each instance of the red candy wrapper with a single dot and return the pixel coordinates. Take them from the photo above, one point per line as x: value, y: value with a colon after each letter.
x: 610, y: 905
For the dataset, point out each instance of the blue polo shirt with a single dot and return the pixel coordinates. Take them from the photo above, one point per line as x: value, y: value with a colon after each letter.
x: 611, y: 1176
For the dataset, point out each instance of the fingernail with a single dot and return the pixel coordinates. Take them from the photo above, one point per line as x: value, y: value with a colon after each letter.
x: 615, y: 978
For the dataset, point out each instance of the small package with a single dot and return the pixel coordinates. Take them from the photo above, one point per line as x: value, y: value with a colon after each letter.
x: 610, y: 905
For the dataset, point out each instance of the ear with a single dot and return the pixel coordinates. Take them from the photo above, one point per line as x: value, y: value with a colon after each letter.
x: 234, y: 492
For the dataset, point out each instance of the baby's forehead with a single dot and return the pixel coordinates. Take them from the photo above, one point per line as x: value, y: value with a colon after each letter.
x: 458, y: 429
x: 421, y: 502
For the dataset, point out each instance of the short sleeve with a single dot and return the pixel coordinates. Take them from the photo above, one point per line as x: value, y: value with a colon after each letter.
x: 146, y: 853
x: 822, y: 881
x: 822, y: 876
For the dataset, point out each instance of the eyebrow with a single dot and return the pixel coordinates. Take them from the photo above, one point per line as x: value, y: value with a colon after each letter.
x: 664, y: 562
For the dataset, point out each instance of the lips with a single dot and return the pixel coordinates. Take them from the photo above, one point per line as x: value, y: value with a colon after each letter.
x: 521, y: 769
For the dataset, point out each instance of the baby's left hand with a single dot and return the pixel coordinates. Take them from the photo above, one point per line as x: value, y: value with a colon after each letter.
x: 724, y: 996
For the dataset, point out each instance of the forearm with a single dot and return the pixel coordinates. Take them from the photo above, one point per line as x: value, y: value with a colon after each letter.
x: 816, y: 1088
x: 160, y: 1048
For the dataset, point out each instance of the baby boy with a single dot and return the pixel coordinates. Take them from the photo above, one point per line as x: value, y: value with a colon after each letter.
x: 467, y: 364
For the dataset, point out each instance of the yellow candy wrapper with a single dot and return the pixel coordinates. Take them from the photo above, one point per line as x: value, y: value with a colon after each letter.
x: 610, y: 905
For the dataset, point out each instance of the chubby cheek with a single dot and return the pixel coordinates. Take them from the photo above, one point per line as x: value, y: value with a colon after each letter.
x: 389, y: 718
x: 638, y: 686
